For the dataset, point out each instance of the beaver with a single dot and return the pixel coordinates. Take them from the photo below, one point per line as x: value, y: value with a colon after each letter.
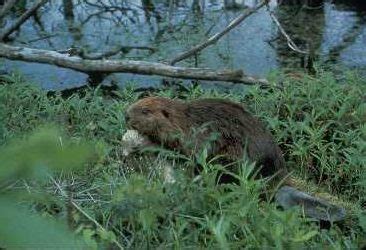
x: 174, y: 124
x: 224, y: 128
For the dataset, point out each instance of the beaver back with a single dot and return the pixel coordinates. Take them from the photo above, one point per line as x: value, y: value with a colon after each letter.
x: 238, y: 131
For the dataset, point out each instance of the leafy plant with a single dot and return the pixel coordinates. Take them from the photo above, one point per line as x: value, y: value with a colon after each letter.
x: 35, y: 158
x: 126, y: 202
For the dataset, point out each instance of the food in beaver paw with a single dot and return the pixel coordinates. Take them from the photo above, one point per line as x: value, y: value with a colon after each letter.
x: 131, y: 141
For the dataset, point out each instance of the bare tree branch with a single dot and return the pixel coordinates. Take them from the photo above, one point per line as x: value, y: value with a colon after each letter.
x: 124, y: 66
x: 213, y: 39
x: 22, y: 19
x: 7, y: 6
x: 290, y: 42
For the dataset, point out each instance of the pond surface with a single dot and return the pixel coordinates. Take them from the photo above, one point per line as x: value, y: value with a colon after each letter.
x: 335, y: 31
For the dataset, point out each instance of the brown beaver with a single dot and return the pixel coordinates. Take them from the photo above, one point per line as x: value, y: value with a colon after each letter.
x: 226, y: 129
x: 174, y: 124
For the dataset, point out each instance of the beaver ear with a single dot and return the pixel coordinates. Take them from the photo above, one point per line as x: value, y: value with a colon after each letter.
x: 144, y: 93
x: 165, y: 113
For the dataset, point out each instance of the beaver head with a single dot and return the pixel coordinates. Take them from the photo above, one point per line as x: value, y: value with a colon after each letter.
x: 155, y: 117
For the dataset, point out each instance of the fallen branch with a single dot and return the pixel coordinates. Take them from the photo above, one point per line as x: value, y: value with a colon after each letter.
x: 213, y: 39
x: 124, y: 66
x: 21, y: 20
x: 7, y: 6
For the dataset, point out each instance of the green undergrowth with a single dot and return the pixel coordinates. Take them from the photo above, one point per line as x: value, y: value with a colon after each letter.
x: 109, y: 200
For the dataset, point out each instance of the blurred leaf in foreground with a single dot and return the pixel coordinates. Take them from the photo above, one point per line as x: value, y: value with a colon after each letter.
x: 44, y: 150
x: 35, y: 157
x: 21, y: 229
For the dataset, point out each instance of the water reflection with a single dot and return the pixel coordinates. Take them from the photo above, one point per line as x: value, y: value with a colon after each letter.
x: 332, y: 31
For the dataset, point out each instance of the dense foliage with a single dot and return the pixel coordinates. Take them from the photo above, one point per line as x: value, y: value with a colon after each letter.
x: 125, y: 202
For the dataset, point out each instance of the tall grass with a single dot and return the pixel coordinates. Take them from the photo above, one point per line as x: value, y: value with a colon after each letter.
x: 118, y: 201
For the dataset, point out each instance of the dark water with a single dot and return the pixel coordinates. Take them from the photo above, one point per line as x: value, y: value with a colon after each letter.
x: 335, y: 31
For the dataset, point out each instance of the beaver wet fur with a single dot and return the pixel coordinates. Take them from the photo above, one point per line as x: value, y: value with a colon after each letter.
x: 173, y: 123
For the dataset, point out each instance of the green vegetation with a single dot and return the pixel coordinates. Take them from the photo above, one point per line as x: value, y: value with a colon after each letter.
x: 118, y: 201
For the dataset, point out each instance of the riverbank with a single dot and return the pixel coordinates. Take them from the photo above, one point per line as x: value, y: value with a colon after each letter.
x: 318, y: 122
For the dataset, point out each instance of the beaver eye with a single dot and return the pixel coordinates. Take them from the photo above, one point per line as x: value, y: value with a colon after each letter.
x: 145, y: 111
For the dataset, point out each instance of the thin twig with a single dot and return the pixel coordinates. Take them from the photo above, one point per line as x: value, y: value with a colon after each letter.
x: 214, y: 24
x: 40, y: 38
x: 22, y: 19
x: 213, y: 39
x: 77, y: 207
x: 290, y: 42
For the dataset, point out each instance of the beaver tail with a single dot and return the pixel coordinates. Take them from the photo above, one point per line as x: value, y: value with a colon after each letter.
x: 288, y: 196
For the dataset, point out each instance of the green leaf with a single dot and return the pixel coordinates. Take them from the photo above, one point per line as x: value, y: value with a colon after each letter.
x: 22, y: 229
x: 44, y: 150
x: 306, y: 236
